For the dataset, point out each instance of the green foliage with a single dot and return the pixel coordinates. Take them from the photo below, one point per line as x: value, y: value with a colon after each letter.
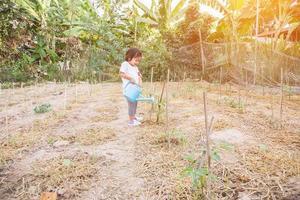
x: 200, y: 174
x: 7, y: 15
x: 156, y: 55
x: 161, y: 14
x: 43, y: 108
x: 197, y: 174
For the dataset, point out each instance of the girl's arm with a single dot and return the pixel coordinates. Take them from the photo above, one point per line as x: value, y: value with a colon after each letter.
x: 140, y: 75
x: 127, y: 76
x: 140, y: 78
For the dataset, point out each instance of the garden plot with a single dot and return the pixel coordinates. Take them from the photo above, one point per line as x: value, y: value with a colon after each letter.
x: 83, y: 149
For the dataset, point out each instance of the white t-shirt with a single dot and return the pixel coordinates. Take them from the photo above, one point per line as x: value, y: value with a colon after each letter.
x: 132, y: 71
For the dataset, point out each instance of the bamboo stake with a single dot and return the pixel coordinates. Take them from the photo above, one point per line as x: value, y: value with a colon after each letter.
x: 159, y: 102
x: 239, y: 96
x: 206, y: 130
x: 174, y: 77
x: 281, y: 98
x: 202, y: 54
x: 290, y: 88
x: 65, y: 97
x: 87, y: 89
x: 90, y: 87
x: 184, y: 75
x: 256, y: 34
x: 76, y: 92
x: 13, y: 88
x: 272, y: 105
x: 167, y: 102
x: 31, y: 108
x: 220, y: 85
x: 6, y: 115
x: 151, y: 78
x: 152, y: 93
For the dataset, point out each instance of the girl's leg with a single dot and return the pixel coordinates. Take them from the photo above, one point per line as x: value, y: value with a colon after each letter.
x: 135, y: 107
x: 131, y: 110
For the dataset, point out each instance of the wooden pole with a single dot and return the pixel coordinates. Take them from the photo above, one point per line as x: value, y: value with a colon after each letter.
x: 220, y: 85
x: 247, y: 91
x: 288, y: 85
x: 256, y: 34
x: 167, y: 102
x: 31, y: 108
x: 201, y: 54
x: 152, y: 88
x: 90, y: 87
x: 6, y: 115
x: 152, y: 93
x: 272, y: 105
x: 65, y: 96
x: 174, y: 76
x: 281, y: 98
x: 239, y: 95
x: 159, y: 102
x: 76, y: 92
x: 206, y: 130
x: 13, y: 88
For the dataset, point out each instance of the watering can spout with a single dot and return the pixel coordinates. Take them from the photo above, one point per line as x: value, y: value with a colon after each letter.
x: 146, y: 99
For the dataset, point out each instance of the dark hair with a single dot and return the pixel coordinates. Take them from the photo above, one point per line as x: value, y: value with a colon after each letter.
x: 132, y: 53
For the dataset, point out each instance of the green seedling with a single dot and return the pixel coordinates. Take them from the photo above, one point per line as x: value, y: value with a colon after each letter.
x: 42, y: 108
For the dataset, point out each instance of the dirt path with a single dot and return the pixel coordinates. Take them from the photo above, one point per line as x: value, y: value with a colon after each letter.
x: 118, y: 180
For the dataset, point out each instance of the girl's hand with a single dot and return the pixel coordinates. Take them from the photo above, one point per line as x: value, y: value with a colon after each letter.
x: 132, y: 80
x: 140, y: 80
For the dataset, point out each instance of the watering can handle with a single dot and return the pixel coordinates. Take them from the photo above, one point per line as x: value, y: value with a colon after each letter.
x: 131, y: 83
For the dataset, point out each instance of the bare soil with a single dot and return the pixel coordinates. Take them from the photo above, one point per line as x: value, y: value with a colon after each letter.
x: 84, y: 149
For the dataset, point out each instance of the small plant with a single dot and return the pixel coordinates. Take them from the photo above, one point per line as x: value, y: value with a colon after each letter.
x: 235, y: 104
x: 51, y: 140
x: 42, y: 108
x: 175, y: 136
x: 288, y: 90
x: 197, y: 170
x: 197, y: 174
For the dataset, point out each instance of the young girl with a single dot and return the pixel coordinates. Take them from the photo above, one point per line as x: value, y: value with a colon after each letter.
x: 129, y: 72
